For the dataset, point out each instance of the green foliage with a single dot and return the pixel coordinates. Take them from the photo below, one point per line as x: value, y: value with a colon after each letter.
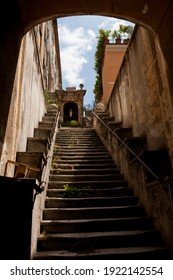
x: 48, y: 99
x: 123, y: 32
x: 99, y: 57
x: 71, y: 191
x: 72, y: 123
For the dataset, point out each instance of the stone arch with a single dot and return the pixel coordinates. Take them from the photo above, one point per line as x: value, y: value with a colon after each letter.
x: 70, y: 111
x: 36, y: 11
x: 155, y: 15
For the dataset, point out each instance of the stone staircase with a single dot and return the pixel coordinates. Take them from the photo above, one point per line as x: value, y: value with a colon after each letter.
x: 90, y: 211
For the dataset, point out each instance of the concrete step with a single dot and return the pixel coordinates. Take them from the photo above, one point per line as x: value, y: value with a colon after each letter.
x: 83, y: 157
x: 95, y: 225
x: 88, y: 192
x: 83, y: 166
x: 69, y: 202
x: 71, y: 148
x: 48, y: 119
x: 42, y: 132
x: 114, y: 125
x: 89, y: 184
x: 86, y: 177
x: 125, y: 253
x: 77, y: 242
x: 70, y: 136
x: 37, y: 144
x: 79, y: 144
x: 94, y: 212
x: 46, y: 125
x: 94, y: 171
x: 82, y: 161
x: 81, y: 153
x: 82, y: 147
x: 107, y: 119
x: 90, y: 212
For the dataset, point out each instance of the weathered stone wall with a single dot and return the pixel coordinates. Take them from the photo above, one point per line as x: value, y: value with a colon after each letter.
x: 140, y: 98
x: 37, y: 70
x: 141, y: 101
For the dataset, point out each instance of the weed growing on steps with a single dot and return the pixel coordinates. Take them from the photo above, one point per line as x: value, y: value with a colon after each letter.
x: 72, y: 191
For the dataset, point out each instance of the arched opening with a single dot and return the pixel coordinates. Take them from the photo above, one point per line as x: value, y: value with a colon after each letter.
x: 70, y: 112
x: 25, y: 15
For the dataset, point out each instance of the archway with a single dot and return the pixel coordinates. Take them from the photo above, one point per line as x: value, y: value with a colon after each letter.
x: 23, y: 15
x: 70, y: 112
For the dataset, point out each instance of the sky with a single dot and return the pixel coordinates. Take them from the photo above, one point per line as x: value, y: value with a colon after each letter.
x: 78, y: 36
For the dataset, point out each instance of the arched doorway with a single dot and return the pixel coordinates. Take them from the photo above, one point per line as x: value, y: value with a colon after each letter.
x: 26, y: 14
x: 70, y: 112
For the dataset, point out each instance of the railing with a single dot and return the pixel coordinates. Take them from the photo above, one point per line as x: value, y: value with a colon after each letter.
x: 127, y: 147
x: 46, y: 168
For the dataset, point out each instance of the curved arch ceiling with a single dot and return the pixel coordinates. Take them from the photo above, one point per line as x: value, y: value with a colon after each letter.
x: 146, y: 13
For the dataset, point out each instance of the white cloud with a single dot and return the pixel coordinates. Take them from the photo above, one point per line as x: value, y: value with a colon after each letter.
x: 75, y: 44
x: 112, y: 23
x: 78, y: 39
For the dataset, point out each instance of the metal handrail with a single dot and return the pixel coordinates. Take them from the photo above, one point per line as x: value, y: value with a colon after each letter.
x: 50, y: 152
x: 130, y: 150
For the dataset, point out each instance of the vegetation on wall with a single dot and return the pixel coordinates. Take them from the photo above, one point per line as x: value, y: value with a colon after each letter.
x: 124, y: 32
x: 48, y: 99
x: 99, y: 57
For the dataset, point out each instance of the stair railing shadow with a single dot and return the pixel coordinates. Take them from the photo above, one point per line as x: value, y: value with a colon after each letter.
x: 129, y: 149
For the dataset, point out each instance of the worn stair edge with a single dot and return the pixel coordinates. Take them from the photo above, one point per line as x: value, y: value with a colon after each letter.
x: 133, y: 253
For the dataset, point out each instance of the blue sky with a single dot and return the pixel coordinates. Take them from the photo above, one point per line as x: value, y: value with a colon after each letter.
x: 78, y: 41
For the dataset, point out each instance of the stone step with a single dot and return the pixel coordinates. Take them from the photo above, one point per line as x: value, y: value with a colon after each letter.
x: 125, y: 253
x: 83, y: 166
x: 114, y: 125
x: 48, y: 118
x: 89, y: 184
x: 90, y: 212
x: 46, y: 125
x: 95, y: 225
x: 42, y: 132
x: 81, y: 157
x: 77, y: 133
x: 37, y: 144
x: 85, y: 171
x: 71, y: 148
x: 67, y: 145
x: 51, y: 114
x: 82, y: 161
x: 94, y: 212
x: 86, y: 177
x: 103, y: 114
x: 90, y: 201
x: 136, y: 144
x: 77, y: 242
x: 93, y: 192
x: 123, y: 133
x: 75, y: 136
x: 81, y: 153
x: 107, y: 119
x: 78, y: 143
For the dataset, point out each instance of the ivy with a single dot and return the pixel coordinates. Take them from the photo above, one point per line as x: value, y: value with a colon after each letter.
x: 48, y: 99
x: 123, y: 32
x: 99, y: 57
